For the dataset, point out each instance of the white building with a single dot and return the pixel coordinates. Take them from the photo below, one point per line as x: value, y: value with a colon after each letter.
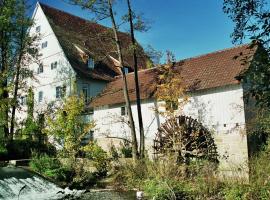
x: 215, y: 99
x: 75, y: 54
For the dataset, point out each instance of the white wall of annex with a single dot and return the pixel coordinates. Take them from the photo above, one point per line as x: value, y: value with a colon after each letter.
x: 220, y: 109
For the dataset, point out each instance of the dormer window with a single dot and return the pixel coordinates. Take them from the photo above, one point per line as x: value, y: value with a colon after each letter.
x: 40, y: 69
x: 38, y: 29
x: 126, y: 70
x: 90, y: 63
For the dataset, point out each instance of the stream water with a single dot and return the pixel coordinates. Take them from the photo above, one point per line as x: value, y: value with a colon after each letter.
x: 20, y: 184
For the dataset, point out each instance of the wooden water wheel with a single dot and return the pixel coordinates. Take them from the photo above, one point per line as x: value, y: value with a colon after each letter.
x: 185, y: 137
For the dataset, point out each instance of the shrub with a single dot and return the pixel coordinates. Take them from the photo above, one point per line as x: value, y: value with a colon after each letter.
x: 126, y: 150
x: 166, y: 189
x: 48, y: 166
x: 114, y: 153
x: 99, y: 158
x: 165, y: 179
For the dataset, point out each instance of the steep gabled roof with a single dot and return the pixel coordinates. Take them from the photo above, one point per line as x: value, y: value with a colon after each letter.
x: 93, y: 39
x: 207, y: 71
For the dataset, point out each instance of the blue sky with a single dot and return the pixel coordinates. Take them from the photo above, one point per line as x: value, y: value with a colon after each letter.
x: 185, y: 27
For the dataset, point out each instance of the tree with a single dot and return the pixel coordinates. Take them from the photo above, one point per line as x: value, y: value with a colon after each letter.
x: 66, y: 125
x: 17, y: 51
x: 30, y: 125
x: 6, y: 27
x: 136, y: 79
x: 104, y: 9
x: 252, y: 21
x: 170, y: 91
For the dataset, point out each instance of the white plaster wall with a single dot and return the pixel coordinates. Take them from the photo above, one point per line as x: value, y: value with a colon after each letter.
x: 94, y: 86
x: 221, y: 110
x: 50, y: 79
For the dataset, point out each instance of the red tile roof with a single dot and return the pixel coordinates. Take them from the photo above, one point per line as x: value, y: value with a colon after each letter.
x: 211, y: 70
x: 94, y: 39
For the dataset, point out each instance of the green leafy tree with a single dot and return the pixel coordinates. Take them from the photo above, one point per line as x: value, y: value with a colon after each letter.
x: 67, y: 125
x: 17, y: 51
x: 252, y: 21
x: 30, y: 126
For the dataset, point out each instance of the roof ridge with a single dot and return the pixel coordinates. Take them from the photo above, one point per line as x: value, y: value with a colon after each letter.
x: 81, y: 18
x: 139, y: 71
x: 190, y: 58
x: 214, y: 52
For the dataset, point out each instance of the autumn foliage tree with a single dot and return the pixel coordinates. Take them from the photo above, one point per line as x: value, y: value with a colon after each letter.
x: 171, y: 92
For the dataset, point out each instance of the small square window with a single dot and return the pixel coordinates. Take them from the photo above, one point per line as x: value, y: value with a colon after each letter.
x: 60, y: 92
x: 23, y: 100
x: 38, y: 29
x: 40, y: 96
x: 44, y: 44
x: 54, y: 65
x: 40, y: 69
x: 123, y: 110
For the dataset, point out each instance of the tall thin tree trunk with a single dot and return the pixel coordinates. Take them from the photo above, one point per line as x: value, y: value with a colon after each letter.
x: 3, y: 85
x: 16, y: 85
x: 136, y: 78
x: 125, y: 87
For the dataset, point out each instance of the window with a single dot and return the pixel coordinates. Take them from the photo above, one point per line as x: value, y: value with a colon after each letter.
x: 40, y: 96
x: 126, y: 70
x: 123, y: 110
x: 85, y: 92
x: 38, y: 29
x: 23, y: 100
x: 60, y: 92
x: 54, y: 65
x: 40, y: 69
x: 87, y: 138
x: 91, y: 63
x: 44, y: 45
